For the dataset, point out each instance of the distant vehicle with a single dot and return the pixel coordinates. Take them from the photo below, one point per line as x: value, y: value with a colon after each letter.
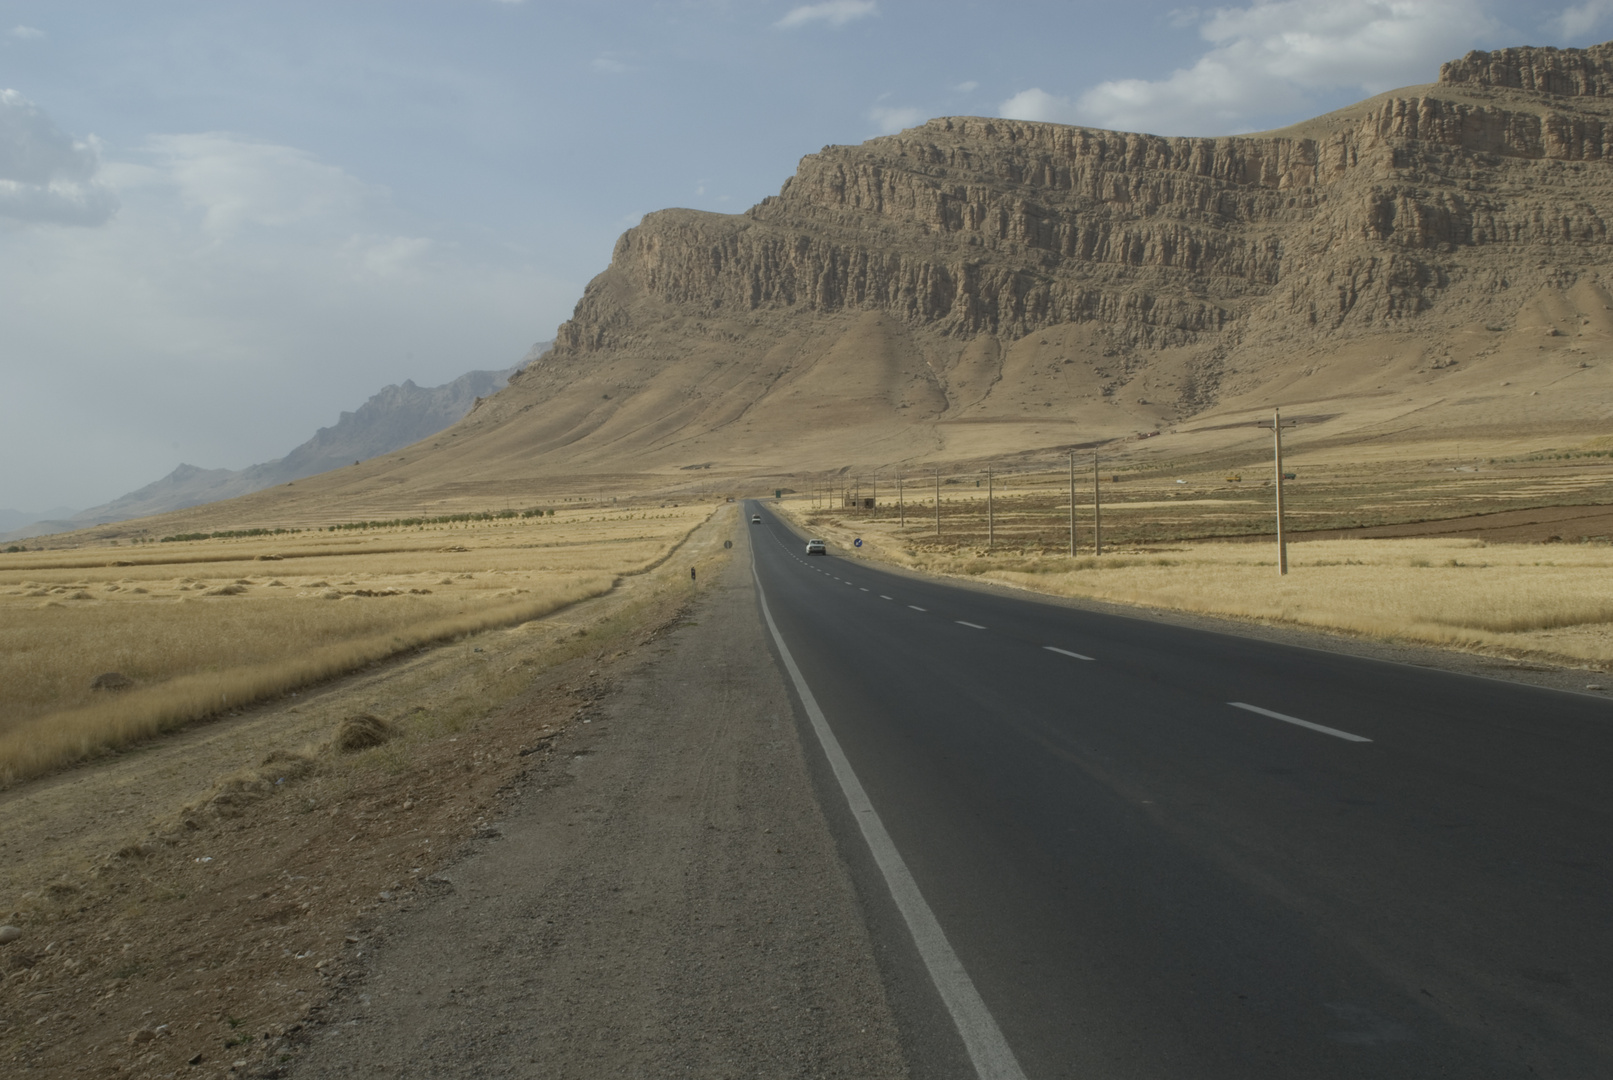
x: 756, y: 519
x: 817, y: 547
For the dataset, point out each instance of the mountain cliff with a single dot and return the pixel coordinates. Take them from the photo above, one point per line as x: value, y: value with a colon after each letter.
x: 1429, y: 266
x: 976, y: 269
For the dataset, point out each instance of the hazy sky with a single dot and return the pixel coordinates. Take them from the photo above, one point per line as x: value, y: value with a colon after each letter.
x: 222, y: 223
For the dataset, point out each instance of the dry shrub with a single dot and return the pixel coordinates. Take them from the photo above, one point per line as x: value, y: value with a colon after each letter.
x: 227, y: 798
x: 288, y: 764
x: 360, y: 732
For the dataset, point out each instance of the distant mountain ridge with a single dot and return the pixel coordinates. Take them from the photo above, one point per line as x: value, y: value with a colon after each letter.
x: 391, y: 419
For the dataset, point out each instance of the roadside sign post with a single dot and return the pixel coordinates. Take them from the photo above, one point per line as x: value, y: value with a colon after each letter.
x: 1277, y: 455
x: 938, y: 504
x: 901, y: 507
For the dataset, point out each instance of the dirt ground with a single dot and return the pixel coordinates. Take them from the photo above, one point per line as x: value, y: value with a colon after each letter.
x: 189, y: 908
x: 1546, y: 524
x: 661, y: 897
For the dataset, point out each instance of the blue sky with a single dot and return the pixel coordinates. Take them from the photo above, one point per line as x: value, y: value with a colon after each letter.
x: 222, y: 223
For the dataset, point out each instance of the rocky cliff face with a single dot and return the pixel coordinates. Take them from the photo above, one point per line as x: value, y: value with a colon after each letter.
x: 993, y: 270
x: 1561, y: 72
x: 971, y: 226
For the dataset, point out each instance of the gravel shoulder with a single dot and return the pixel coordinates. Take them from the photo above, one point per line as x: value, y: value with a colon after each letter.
x: 663, y: 897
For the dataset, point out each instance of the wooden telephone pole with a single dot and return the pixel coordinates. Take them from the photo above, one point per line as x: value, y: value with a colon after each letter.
x: 938, y: 504
x: 901, y: 506
x: 1097, y: 511
x: 991, y: 520
x: 1277, y: 455
x: 1072, y: 504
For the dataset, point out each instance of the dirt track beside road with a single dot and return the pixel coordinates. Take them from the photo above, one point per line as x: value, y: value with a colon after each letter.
x: 662, y: 898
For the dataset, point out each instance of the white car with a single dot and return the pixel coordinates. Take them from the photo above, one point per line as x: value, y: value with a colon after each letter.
x: 756, y: 519
x: 817, y: 547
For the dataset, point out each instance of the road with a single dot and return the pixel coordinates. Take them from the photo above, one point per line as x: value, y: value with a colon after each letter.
x: 1153, y: 851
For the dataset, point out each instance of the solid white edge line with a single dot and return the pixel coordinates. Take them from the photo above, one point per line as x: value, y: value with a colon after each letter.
x: 1066, y: 652
x: 1285, y: 718
x: 970, y: 625
x: 990, y: 1053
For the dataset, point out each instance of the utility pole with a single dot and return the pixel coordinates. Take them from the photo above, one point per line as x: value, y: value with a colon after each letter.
x: 1277, y: 455
x: 991, y: 520
x: 1097, y: 511
x: 938, y: 504
x: 1072, y: 504
x: 901, y: 507
x: 874, y: 490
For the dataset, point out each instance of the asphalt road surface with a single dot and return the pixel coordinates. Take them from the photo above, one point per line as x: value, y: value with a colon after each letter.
x: 1095, y: 846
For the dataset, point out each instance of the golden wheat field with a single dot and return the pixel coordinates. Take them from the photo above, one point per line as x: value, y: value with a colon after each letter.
x: 100, y: 647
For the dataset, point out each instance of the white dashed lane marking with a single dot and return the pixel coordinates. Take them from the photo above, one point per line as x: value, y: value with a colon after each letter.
x: 915, y: 607
x: 970, y: 625
x: 1285, y: 718
x: 1066, y: 652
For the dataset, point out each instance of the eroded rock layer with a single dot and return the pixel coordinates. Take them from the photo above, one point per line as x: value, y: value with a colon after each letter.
x: 1082, y: 283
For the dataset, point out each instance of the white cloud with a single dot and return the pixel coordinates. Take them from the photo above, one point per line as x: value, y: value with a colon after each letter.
x: 833, y: 12
x: 891, y: 120
x: 1037, y: 104
x: 237, y: 182
x: 388, y: 257
x: 26, y: 33
x: 45, y: 174
x: 1581, y: 19
x: 1272, y: 56
x: 966, y: 87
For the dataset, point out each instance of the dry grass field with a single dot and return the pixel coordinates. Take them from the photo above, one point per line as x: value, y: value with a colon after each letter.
x: 1166, y: 546
x: 194, y: 628
x: 188, y: 907
x: 1147, y: 501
